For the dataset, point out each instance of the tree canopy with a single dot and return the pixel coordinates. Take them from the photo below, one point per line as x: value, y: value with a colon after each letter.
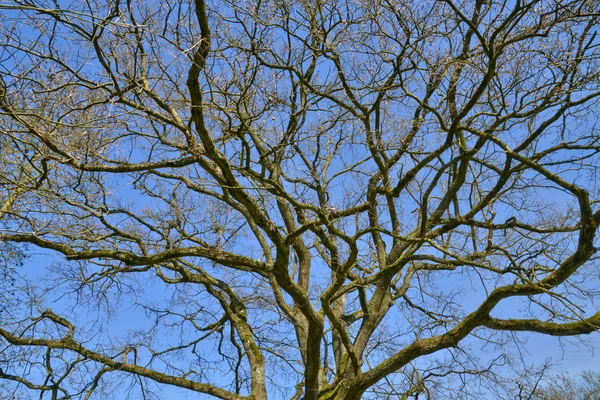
x: 307, y: 199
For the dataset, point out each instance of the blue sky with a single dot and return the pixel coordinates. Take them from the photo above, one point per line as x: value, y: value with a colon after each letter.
x: 123, y: 310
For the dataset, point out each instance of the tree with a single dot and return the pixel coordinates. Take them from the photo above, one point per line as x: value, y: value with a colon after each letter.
x: 562, y: 386
x: 314, y: 199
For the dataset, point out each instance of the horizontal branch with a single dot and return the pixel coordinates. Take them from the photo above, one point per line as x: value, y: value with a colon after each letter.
x: 70, y: 344
x: 582, y: 327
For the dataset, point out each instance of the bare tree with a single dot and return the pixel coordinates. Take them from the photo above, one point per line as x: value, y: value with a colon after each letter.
x: 562, y: 386
x: 295, y: 198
